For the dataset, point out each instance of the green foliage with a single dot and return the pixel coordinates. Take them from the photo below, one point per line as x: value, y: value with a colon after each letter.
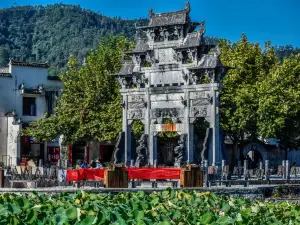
x: 279, y: 103
x: 4, y: 58
x: 239, y: 96
x: 137, y: 128
x: 157, y: 208
x: 89, y: 108
x: 53, y: 32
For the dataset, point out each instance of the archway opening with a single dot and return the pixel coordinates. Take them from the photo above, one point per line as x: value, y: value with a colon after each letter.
x: 165, y: 148
x: 254, y: 157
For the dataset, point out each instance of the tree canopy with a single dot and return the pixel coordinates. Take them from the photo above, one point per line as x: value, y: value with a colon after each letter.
x: 89, y: 107
x: 239, y: 96
x: 279, y: 103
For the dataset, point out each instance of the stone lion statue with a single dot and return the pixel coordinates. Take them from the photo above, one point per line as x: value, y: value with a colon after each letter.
x: 180, y: 151
x: 142, y: 150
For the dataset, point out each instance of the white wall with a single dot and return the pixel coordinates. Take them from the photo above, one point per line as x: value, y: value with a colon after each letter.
x: 13, y: 140
x: 11, y: 99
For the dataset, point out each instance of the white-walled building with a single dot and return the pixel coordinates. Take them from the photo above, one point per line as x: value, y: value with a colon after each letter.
x: 27, y: 93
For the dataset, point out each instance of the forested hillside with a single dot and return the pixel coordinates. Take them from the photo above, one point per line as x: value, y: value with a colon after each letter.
x: 53, y: 32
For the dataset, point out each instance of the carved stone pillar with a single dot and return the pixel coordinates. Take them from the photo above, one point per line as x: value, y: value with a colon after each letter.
x: 127, y: 129
x: 152, y: 149
x: 189, y: 132
x: 147, y: 123
x: 216, y: 155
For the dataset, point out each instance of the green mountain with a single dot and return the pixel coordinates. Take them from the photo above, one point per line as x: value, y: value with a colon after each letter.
x: 53, y: 32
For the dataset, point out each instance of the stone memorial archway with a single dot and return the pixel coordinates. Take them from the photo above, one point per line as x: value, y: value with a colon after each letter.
x: 167, y: 78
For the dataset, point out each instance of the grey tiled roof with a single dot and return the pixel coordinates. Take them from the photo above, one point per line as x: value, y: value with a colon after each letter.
x: 29, y: 64
x: 171, y: 18
x: 210, y: 40
x: 191, y: 40
x: 126, y: 69
x: 141, y: 46
x: 209, y: 61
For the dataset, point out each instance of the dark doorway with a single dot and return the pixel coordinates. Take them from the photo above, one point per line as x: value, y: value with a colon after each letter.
x: 254, y: 158
x: 106, y: 152
x: 165, y: 150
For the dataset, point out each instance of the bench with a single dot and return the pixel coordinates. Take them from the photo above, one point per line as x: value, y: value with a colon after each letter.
x: 12, y: 182
x: 83, y: 183
x: 154, y: 183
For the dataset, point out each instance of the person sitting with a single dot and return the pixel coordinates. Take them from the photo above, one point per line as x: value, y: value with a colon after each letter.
x: 98, y: 164
x: 84, y: 165
x: 94, y: 164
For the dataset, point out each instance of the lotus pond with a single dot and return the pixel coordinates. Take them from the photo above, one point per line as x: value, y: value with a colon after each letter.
x: 160, y: 208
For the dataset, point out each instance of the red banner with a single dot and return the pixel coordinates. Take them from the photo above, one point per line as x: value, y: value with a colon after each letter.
x: 133, y: 173
x: 75, y: 175
x: 85, y: 174
x: 153, y: 173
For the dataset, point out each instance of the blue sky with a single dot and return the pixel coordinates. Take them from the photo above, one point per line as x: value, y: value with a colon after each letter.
x: 261, y: 20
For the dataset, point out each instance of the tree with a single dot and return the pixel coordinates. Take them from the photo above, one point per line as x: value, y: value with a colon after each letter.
x: 279, y: 104
x: 89, y: 108
x: 4, y: 58
x: 239, y: 96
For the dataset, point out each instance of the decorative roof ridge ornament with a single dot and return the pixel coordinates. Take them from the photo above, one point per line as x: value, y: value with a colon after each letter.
x: 217, y: 51
x: 203, y: 29
x: 187, y: 8
x: 150, y: 13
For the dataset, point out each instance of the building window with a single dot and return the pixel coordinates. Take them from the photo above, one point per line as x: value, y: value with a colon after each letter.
x: 29, y: 106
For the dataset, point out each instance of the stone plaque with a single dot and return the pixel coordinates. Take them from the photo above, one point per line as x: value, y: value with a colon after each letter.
x: 199, y: 111
x: 200, y: 102
x: 135, y: 114
x: 166, y: 97
x: 199, y: 94
x: 169, y: 104
x: 136, y: 98
x: 136, y: 105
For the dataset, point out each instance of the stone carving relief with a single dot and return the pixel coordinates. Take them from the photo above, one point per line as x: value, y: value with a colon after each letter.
x: 198, y: 95
x: 150, y: 59
x: 136, y: 59
x: 119, y: 150
x: 139, y: 79
x: 122, y: 82
x: 161, y: 55
x: 135, y: 114
x: 136, y: 98
x: 142, y: 151
x: 205, y: 146
x: 159, y: 114
x: 198, y: 111
x: 179, y: 151
x: 136, y: 105
x: 201, y: 101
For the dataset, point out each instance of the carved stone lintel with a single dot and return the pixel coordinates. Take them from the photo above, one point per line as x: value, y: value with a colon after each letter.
x: 167, y: 113
x: 135, y: 114
x: 201, y: 102
x: 136, y: 105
